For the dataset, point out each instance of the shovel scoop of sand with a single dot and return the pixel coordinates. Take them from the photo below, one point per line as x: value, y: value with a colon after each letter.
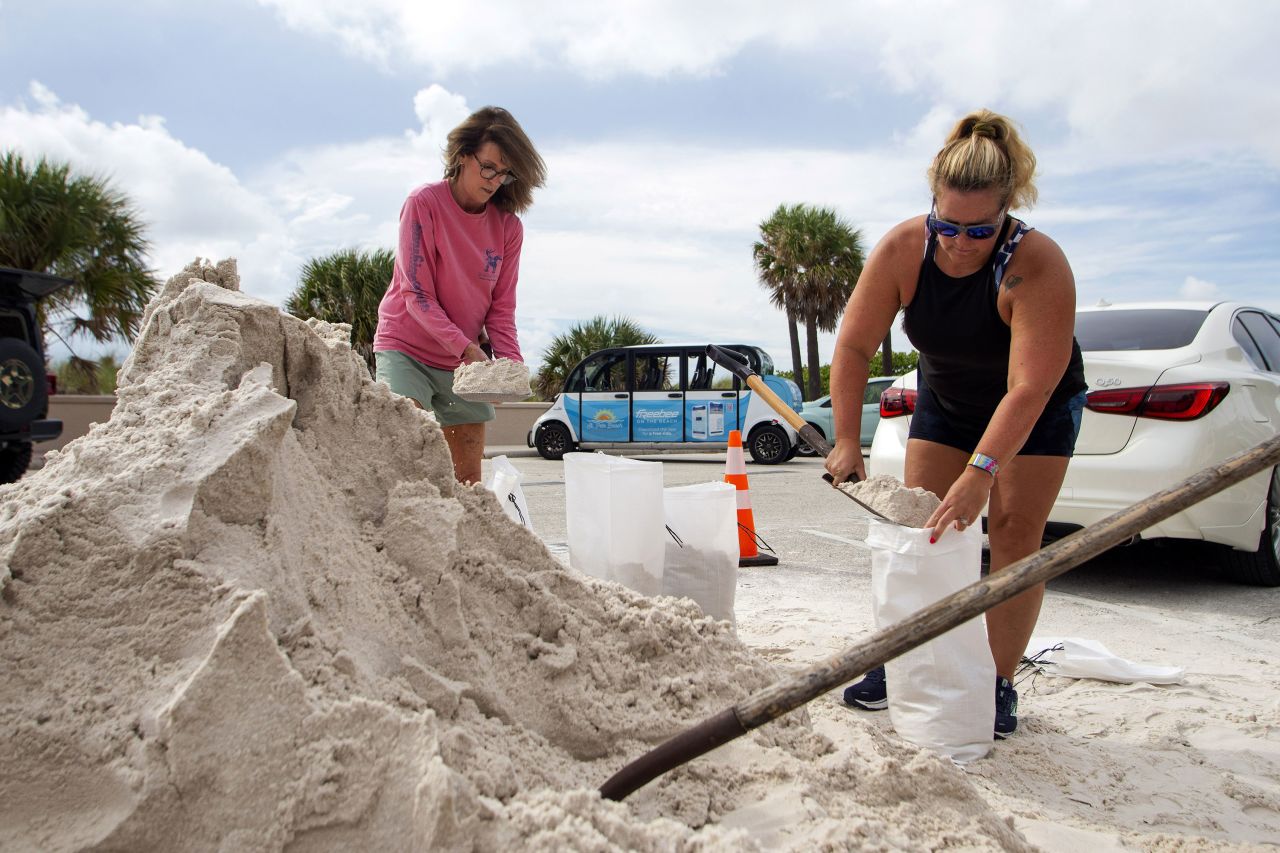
x: 888, y: 496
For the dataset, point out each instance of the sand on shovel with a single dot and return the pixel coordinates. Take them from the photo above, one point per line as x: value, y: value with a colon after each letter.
x: 888, y: 496
x: 253, y: 611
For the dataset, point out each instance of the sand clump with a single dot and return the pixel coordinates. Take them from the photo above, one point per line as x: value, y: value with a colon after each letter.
x: 501, y: 377
x: 254, y: 611
x: 888, y: 496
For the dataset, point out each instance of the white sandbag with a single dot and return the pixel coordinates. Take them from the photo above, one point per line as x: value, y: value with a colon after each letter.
x: 942, y: 693
x: 504, y: 482
x: 613, y: 509
x: 1073, y: 657
x: 702, y: 564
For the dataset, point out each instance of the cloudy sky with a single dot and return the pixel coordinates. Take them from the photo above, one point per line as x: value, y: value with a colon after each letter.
x: 278, y: 130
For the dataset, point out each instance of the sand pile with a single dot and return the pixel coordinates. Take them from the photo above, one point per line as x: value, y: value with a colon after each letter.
x: 888, y: 496
x: 500, y: 377
x: 253, y: 610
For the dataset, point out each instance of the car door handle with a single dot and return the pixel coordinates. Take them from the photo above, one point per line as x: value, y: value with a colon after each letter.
x: 728, y: 394
x: 675, y: 395
x: 621, y: 396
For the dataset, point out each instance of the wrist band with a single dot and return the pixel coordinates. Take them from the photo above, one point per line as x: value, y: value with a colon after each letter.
x: 984, y: 462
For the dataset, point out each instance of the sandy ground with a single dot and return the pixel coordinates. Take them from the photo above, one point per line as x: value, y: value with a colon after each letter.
x: 1094, y: 764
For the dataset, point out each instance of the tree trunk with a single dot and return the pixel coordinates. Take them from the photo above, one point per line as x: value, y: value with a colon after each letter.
x: 886, y: 355
x: 797, y: 364
x: 815, y: 365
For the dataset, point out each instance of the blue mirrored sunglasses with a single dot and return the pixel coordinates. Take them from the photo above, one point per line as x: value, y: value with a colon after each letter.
x: 943, y: 228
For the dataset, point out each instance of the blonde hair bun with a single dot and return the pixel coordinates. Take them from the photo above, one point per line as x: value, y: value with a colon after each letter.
x: 984, y: 151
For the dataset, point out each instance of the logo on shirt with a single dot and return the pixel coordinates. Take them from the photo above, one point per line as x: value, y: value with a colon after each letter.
x: 491, y: 261
x: 416, y: 259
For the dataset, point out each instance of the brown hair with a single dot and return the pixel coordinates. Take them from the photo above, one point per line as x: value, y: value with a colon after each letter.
x: 496, y: 125
x: 985, y: 152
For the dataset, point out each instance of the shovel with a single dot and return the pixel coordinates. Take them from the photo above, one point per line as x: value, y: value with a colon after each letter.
x: 936, y: 619
x: 741, y: 368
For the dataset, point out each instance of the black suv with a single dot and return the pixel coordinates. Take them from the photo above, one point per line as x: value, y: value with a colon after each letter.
x: 24, y: 384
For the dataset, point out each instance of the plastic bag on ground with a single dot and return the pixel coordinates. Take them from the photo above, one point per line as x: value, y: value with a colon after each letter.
x: 613, y: 510
x: 504, y: 482
x: 1073, y: 657
x: 941, y: 693
x: 703, y: 564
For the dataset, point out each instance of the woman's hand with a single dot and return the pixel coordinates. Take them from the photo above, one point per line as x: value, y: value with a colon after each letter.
x: 844, y: 460
x: 963, y: 504
x: 473, y: 353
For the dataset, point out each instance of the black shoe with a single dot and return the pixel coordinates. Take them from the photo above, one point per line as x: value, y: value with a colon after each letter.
x: 1006, y: 708
x: 869, y: 694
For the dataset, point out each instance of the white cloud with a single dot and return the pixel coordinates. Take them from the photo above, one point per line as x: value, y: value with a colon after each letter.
x: 656, y: 231
x: 1128, y: 82
x: 1196, y: 288
x: 655, y: 38
x: 309, y: 202
x: 191, y: 205
x: 440, y: 111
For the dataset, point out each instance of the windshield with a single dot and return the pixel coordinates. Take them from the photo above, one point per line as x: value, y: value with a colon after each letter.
x: 1137, y: 328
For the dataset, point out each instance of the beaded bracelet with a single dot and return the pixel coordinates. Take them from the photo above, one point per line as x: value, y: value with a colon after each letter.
x: 984, y: 462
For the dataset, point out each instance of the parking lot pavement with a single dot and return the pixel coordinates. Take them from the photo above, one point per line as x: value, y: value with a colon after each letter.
x: 820, y: 590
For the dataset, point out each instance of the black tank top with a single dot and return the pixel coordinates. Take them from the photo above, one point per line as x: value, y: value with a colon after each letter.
x: 963, y: 342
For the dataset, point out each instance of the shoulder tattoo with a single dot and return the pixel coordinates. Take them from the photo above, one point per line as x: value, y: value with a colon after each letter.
x: 1012, y: 281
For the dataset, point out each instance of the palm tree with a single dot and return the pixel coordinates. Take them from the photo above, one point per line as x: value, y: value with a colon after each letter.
x: 777, y: 272
x: 582, y: 339
x: 809, y: 259
x: 77, y: 227
x: 345, y: 287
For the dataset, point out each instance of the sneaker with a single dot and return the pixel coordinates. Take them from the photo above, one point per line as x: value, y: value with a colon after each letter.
x: 870, y: 693
x: 1006, y: 708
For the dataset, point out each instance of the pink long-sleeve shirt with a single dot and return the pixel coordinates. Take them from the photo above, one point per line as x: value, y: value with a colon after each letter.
x: 455, y: 274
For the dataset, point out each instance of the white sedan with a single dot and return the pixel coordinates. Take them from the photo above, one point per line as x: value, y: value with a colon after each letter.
x: 1174, y: 387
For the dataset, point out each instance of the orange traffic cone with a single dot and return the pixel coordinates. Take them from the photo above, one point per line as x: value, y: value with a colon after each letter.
x: 736, y: 473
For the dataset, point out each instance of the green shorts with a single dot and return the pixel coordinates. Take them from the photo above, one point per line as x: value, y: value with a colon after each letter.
x: 431, y: 387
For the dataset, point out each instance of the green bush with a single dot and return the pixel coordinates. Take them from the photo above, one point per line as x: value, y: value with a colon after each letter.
x: 84, y: 376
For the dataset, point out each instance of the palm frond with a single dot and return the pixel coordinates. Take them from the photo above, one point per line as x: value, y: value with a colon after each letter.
x: 809, y: 259
x: 579, y: 341
x: 345, y: 286
x: 78, y: 227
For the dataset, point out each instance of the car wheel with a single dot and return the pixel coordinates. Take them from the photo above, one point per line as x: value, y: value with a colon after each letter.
x: 802, y: 448
x: 23, y: 392
x: 553, y: 440
x: 14, y: 461
x: 1262, y: 567
x: 768, y: 445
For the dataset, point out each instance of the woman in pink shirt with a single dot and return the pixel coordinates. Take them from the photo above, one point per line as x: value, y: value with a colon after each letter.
x: 455, y: 276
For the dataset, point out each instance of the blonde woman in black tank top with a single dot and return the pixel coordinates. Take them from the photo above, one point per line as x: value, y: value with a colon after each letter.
x: 998, y: 409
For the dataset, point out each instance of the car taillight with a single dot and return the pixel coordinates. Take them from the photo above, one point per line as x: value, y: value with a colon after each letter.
x: 51, y: 381
x: 1164, y: 402
x: 896, y: 402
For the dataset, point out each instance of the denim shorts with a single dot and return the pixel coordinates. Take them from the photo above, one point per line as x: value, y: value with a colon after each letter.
x: 431, y: 387
x: 1053, y: 435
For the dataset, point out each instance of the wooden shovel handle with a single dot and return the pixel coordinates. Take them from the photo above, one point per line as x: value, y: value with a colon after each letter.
x: 737, y: 365
x: 938, y: 618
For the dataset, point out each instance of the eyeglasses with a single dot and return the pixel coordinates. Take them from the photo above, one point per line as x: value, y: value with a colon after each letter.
x: 488, y: 171
x: 943, y: 228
